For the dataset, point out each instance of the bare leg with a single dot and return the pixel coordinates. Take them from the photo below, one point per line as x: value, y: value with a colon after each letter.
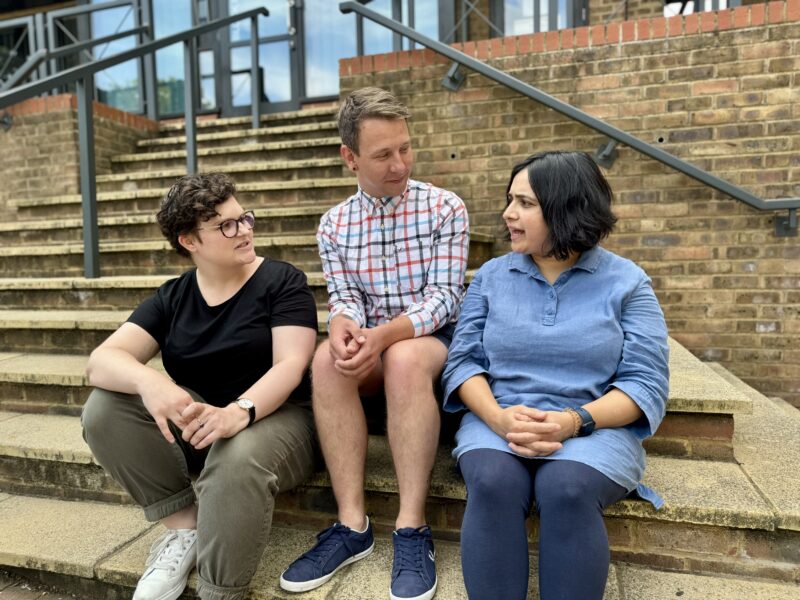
x: 186, y: 518
x: 410, y: 368
x: 342, y: 430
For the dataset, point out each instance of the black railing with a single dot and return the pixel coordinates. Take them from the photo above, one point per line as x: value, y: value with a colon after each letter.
x: 82, y: 77
x: 784, y: 226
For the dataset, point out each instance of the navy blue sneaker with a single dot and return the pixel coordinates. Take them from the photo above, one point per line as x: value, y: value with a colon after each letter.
x: 414, y: 567
x: 336, y: 547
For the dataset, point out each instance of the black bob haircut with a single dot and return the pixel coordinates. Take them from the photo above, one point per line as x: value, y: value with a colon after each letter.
x: 574, y: 197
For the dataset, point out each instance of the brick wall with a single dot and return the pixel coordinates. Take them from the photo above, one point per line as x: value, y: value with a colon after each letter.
x: 718, y: 89
x: 603, y: 11
x: 40, y: 151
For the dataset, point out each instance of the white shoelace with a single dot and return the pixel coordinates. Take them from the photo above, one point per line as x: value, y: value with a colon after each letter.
x: 167, y: 552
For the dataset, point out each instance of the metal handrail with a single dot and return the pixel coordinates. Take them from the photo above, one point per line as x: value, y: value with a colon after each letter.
x: 82, y: 77
x: 575, y: 114
x: 42, y: 55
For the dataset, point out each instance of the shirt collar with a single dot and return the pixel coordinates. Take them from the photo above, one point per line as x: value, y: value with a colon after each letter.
x: 389, y: 203
x: 589, y: 261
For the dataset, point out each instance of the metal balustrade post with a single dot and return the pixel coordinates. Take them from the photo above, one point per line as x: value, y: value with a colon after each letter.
x: 91, y: 245
x: 189, y: 97
x: 150, y: 87
x: 255, y: 80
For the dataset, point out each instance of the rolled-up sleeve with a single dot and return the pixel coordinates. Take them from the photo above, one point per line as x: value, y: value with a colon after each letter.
x: 643, y: 371
x: 444, y: 286
x: 466, y: 357
x: 344, y: 296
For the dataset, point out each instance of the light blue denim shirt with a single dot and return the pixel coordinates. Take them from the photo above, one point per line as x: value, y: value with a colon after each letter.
x: 599, y: 326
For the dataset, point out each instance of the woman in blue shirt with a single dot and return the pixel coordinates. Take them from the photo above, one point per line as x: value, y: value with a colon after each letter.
x: 560, y: 359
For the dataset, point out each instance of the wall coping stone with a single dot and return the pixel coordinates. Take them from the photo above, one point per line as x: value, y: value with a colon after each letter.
x: 613, y: 33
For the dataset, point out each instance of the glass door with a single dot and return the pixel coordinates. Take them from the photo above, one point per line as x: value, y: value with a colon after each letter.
x: 278, y: 58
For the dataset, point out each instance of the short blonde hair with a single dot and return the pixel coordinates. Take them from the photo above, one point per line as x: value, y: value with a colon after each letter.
x: 367, y: 103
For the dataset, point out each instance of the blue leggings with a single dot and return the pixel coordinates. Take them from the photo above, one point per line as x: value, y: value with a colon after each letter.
x: 573, y: 544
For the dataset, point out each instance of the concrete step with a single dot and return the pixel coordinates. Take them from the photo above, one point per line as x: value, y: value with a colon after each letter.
x: 700, y: 410
x: 307, y: 115
x: 300, y: 218
x: 246, y: 135
x: 260, y: 194
x: 717, y: 518
x: 156, y: 256
x: 140, y: 258
x: 218, y: 158
x: 103, y: 293
x: 49, y: 540
x: 250, y: 172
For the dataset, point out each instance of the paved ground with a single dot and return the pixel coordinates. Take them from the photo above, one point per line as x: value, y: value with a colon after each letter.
x: 14, y: 588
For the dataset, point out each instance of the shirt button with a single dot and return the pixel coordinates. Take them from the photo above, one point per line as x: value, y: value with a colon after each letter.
x: 386, y: 290
x: 382, y: 226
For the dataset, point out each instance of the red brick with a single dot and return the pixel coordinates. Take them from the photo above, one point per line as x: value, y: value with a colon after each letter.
x: 391, y: 61
x: 510, y: 46
x: 582, y: 37
x: 366, y: 64
x: 793, y: 10
x: 483, y: 49
x: 691, y: 23
x: 612, y: 32
x: 470, y: 49
x: 643, y: 29
x: 598, y: 34
x: 658, y: 27
x: 757, y: 14
x: 380, y: 62
x: 674, y: 26
x: 404, y: 60
x: 551, y: 41
x: 776, y: 11
x: 496, y: 47
x: 344, y: 67
x: 741, y: 16
x: 537, y: 42
x: 724, y: 19
x: 707, y: 22
x: 429, y: 57
x: 567, y: 39
x: 417, y: 57
x: 524, y: 44
x: 629, y: 31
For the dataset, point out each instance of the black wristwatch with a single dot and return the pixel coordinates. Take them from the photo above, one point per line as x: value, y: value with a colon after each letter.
x: 587, y: 422
x: 247, y: 404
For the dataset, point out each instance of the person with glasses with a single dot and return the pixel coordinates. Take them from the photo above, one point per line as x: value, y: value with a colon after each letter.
x: 236, y: 334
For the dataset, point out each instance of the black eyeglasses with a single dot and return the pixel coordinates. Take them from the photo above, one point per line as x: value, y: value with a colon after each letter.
x: 230, y: 227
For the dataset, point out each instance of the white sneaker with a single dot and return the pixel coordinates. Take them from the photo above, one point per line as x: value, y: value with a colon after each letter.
x: 171, y: 558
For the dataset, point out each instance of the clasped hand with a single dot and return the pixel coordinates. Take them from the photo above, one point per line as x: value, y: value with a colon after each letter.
x: 532, y: 432
x: 355, y: 351
x: 201, y: 424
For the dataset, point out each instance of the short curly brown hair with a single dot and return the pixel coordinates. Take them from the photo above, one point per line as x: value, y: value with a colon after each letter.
x: 191, y: 199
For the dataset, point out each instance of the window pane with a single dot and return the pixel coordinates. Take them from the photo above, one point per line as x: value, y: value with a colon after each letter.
x: 426, y: 19
x: 329, y: 36
x: 276, y: 24
x: 378, y: 39
x: 518, y: 17
x: 169, y: 17
x: 273, y: 60
x: 117, y: 86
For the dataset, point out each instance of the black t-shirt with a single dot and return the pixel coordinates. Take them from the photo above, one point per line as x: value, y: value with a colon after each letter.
x: 220, y: 351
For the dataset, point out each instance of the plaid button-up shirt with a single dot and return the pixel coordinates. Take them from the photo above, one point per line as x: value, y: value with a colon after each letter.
x: 404, y: 255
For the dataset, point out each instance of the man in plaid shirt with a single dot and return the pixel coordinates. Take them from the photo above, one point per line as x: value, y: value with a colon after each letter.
x: 394, y: 256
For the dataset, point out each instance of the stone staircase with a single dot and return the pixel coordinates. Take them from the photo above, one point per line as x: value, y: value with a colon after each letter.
x: 724, y: 459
